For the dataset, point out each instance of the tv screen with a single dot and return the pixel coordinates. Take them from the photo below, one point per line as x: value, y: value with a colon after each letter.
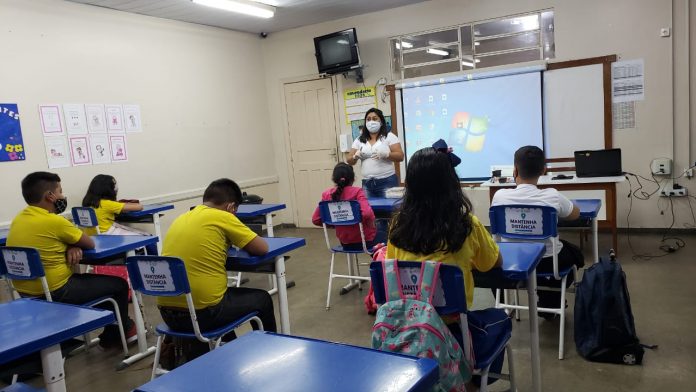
x: 337, y: 52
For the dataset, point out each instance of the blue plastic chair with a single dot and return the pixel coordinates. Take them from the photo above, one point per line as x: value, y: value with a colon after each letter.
x: 171, y: 281
x: 85, y: 217
x: 19, y: 263
x: 452, y: 283
x: 343, y: 213
x: 530, y: 223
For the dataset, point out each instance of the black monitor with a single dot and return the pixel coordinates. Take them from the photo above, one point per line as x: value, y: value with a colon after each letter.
x: 337, y: 52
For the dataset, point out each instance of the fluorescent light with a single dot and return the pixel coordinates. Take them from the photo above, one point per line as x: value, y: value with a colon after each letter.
x: 468, y: 64
x: 477, y: 43
x: 404, y: 44
x: 240, y: 6
x: 439, y: 52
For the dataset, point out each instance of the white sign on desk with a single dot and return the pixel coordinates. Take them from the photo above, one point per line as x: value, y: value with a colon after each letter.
x: 156, y: 275
x: 524, y: 221
x: 16, y: 262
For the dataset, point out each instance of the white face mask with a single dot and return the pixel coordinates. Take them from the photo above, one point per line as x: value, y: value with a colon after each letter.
x: 373, y: 126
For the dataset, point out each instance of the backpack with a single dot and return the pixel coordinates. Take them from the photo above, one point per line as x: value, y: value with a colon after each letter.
x: 604, y: 327
x: 413, y: 327
x: 379, y: 253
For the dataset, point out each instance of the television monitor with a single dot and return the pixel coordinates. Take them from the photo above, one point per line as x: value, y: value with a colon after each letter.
x: 337, y: 52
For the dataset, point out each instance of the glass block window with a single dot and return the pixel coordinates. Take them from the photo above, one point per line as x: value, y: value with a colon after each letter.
x: 489, y: 43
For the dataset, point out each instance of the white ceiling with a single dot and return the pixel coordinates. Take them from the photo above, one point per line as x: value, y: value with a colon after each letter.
x: 289, y: 13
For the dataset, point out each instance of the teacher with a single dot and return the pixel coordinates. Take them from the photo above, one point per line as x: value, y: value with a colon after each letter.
x: 378, y: 149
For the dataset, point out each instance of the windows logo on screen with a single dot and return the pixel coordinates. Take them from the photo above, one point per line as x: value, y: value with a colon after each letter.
x: 469, y: 131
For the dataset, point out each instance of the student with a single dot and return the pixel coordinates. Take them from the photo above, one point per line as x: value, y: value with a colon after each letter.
x: 60, y: 245
x: 201, y: 237
x: 101, y: 195
x: 529, y: 166
x: 349, y: 236
x: 434, y: 221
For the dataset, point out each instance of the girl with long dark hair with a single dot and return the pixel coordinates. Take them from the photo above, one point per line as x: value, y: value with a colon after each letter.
x: 101, y: 195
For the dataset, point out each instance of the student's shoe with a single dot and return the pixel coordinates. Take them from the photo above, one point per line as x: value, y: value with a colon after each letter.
x: 111, y: 342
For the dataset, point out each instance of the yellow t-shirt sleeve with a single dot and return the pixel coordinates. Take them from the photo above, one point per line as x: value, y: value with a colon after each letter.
x: 66, y: 231
x: 111, y: 206
x: 486, y: 250
x: 237, y: 233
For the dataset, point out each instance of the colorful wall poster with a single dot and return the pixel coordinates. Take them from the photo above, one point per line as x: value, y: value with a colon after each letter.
x: 119, y: 151
x: 96, y: 120
x: 57, y: 153
x: 99, y: 146
x: 11, y: 142
x: 79, y: 151
x: 75, y: 119
x: 50, y: 119
x: 357, y: 101
x: 114, y: 118
x: 132, y: 119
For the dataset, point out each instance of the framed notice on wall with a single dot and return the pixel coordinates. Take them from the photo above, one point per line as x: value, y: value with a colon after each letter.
x: 11, y: 142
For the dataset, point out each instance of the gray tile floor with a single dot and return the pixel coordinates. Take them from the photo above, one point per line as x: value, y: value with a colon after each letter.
x: 662, y: 295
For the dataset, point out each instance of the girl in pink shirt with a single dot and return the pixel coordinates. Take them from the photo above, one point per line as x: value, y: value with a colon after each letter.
x: 343, y: 176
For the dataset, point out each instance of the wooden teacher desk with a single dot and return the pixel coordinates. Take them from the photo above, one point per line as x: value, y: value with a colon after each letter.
x: 606, y: 184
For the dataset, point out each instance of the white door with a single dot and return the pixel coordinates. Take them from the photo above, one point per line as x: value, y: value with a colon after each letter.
x: 313, y: 142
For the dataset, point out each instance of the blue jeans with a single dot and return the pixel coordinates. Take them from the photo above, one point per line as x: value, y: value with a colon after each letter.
x: 377, y: 187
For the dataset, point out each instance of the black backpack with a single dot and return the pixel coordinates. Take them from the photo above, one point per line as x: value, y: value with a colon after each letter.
x: 604, y: 328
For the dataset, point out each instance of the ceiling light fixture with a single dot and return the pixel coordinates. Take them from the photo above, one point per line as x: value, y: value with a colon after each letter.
x: 240, y: 6
x: 439, y: 52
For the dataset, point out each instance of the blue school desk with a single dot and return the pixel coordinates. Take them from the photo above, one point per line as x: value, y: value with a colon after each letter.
x: 3, y: 236
x: 520, y: 260
x: 149, y: 213
x: 106, y: 247
x: 383, y: 204
x: 272, y: 262
x: 263, y: 361
x: 28, y: 325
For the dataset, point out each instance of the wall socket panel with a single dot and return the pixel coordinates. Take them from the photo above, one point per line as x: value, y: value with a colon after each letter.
x: 668, y: 191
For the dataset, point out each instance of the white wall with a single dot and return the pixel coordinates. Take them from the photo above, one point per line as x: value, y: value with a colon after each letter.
x: 201, y: 90
x: 629, y: 28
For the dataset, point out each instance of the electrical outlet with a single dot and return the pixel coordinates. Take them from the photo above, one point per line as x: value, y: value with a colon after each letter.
x: 665, y: 32
x: 661, y: 166
x: 669, y: 191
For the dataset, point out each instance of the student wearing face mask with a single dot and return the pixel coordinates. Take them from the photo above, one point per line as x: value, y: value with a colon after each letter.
x: 60, y: 245
x: 378, y: 149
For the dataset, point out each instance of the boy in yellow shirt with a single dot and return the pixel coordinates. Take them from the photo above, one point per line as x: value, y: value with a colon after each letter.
x: 60, y: 246
x: 201, y: 238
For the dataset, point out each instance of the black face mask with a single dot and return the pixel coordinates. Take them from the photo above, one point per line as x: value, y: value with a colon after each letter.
x: 60, y: 205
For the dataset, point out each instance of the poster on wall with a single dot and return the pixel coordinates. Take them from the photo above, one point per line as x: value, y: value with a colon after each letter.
x: 51, y: 123
x: 75, y: 119
x: 357, y: 101
x: 79, y: 151
x: 119, y: 150
x: 96, y: 120
x: 57, y: 153
x: 131, y: 116
x: 11, y: 142
x: 114, y: 118
x: 99, y: 147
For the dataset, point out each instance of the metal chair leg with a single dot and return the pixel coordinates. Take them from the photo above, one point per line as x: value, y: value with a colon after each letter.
x: 511, y: 369
x: 517, y: 302
x: 331, y: 271
x: 158, y: 351
x: 561, y: 333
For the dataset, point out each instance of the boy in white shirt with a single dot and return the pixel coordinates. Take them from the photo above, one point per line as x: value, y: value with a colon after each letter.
x: 529, y: 166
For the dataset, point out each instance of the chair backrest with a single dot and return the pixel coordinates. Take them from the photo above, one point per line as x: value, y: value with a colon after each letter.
x: 20, y: 263
x: 162, y: 276
x: 524, y: 222
x: 85, y: 217
x: 341, y: 213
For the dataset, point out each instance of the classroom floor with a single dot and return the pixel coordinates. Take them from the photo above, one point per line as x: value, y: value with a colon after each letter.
x: 662, y: 295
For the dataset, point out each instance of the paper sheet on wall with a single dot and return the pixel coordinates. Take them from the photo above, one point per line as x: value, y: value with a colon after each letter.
x: 75, y: 118
x: 11, y: 142
x: 51, y: 123
x: 79, y: 151
x: 119, y: 149
x: 99, y: 147
x: 131, y: 116
x: 57, y: 152
x: 628, y: 81
x: 357, y: 101
x: 114, y: 118
x: 96, y: 119
x: 624, y: 115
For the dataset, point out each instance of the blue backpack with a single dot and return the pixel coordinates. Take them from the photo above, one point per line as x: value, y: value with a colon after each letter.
x: 413, y: 327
